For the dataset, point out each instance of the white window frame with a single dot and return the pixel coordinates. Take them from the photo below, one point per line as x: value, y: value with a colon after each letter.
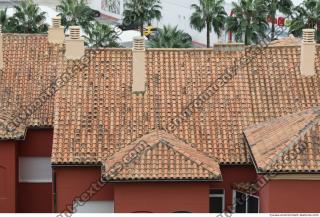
x: 90, y: 201
x: 219, y: 195
x: 23, y: 179
x: 234, y: 200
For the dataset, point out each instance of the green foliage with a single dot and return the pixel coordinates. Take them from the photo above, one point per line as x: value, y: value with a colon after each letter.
x: 170, y: 37
x: 27, y: 19
x: 100, y: 35
x: 3, y: 18
x: 140, y: 12
x: 249, y: 23
x: 75, y: 13
x: 274, y: 6
x: 208, y: 14
x: 306, y: 15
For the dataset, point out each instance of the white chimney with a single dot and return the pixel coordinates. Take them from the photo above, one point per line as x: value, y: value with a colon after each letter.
x: 308, y: 53
x: 1, y: 49
x: 56, y: 31
x: 138, y: 65
x: 74, y: 44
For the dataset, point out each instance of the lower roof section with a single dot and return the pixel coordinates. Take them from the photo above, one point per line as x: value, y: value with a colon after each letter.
x: 160, y: 156
x: 289, y: 144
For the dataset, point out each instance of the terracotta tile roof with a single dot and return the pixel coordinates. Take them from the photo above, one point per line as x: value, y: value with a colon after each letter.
x: 288, y: 144
x: 160, y: 156
x: 288, y: 41
x: 30, y: 65
x: 246, y: 187
x: 96, y: 114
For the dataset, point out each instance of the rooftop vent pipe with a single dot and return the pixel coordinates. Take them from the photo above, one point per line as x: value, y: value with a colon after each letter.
x: 74, y: 44
x: 56, y: 31
x: 308, y: 53
x: 138, y: 65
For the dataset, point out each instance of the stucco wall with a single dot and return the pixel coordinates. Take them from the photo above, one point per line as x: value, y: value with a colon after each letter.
x: 288, y: 196
x: 159, y: 197
x: 8, y: 176
x: 231, y: 175
x: 71, y: 182
x: 35, y: 197
x: 147, y: 196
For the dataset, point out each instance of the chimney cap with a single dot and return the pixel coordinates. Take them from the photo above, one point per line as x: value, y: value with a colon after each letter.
x: 308, y: 35
x: 138, y: 43
x: 309, y: 30
x: 74, y: 32
x: 56, y: 21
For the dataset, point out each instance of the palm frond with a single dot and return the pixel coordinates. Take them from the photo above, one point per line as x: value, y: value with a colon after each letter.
x: 170, y: 37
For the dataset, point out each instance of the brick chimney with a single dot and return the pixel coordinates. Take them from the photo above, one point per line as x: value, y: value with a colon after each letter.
x: 308, y: 53
x: 138, y: 65
x: 56, y: 31
x: 1, y: 49
x: 74, y: 44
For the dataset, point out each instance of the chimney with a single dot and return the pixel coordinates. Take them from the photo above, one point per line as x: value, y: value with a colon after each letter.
x: 308, y: 53
x: 1, y: 49
x: 138, y: 65
x: 74, y: 44
x: 56, y: 31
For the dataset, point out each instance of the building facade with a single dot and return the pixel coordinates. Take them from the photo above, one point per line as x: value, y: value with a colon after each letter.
x: 158, y: 130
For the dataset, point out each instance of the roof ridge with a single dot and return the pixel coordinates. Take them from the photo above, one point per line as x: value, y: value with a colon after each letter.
x: 200, y: 164
x: 303, y: 132
x: 294, y: 142
x: 151, y: 142
x: 297, y: 137
x: 276, y: 119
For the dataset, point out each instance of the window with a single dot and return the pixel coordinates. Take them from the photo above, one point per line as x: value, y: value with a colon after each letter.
x: 216, y: 203
x: 35, y: 169
x: 93, y: 207
x: 245, y: 203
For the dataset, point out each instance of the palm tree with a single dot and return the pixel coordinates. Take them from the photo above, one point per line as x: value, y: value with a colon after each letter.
x: 4, y: 19
x: 249, y: 21
x: 74, y: 13
x: 170, y: 37
x: 141, y: 12
x: 100, y: 35
x: 273, y: 6
x: 27, y: 19
x: 208, y: 14
x: 306, y: 15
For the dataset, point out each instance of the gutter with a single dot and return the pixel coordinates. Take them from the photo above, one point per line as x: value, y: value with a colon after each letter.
x: 263, y: 172
x: 76, y: 165
x: 163, y: 180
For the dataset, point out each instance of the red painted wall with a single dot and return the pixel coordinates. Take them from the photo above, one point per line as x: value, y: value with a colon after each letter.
x: 35, y: 197
x: 160, y: 197
x: 147, y: 196
x: 8, y: 176
x: 71, y: 182
x: 231, y: 175
x: 291, y: 196
x: 38, y: 143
